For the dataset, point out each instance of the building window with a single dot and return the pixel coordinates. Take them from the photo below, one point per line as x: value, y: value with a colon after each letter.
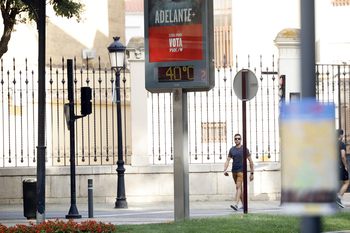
x: 213, y: 132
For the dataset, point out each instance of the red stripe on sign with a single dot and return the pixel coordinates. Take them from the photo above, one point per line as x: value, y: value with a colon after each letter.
x: 175, y: 43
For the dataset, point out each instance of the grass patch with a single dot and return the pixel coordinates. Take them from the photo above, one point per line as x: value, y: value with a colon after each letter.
x: 337, y: 222
x: 250, y: 223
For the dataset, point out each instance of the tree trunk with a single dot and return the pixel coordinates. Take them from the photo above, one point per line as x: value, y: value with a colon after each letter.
x: 8, y: 20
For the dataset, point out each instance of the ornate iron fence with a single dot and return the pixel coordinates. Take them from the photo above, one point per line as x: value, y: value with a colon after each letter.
x: 333, y: 85
x: 95, y: 134
x: 215, y: 117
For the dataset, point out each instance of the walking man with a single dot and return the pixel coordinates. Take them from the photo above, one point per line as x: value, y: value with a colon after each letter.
x: 236, y: 154
x: 344, y: 175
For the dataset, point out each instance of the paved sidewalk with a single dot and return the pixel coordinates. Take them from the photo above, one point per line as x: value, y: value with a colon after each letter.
x: 136, y: 213
x: 140, y: 213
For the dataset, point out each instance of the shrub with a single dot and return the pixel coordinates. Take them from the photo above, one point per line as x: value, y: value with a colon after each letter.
x: 60, y: 226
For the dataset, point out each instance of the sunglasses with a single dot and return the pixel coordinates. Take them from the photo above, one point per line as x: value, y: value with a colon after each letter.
x: 237, y: 139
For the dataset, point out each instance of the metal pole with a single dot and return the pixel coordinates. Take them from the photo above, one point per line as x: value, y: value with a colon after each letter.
x: 181, y: 179
x: 41, y: 148
x: 121, y: 199
x: 307, y: 47
x: 90, y: 199
x: 244, y: 137
x: 311, y: 224
x: 339, y: 99
x: 73, y: 211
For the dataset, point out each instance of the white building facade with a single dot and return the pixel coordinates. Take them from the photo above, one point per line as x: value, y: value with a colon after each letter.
x: 255, y: 41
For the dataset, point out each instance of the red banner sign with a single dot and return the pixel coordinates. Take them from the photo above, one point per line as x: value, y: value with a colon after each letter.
x: 175, y: 43
x: 175, y: 31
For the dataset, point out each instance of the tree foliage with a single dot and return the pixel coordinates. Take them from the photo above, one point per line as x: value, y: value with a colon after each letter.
x: 15, y: 12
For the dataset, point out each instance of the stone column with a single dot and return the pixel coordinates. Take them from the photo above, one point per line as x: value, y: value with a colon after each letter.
x: 138, y: 102
x: 288, y: 44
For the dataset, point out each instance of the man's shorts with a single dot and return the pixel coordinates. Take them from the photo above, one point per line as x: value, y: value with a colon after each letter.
x: 344, y: 175
x: 237, y: 176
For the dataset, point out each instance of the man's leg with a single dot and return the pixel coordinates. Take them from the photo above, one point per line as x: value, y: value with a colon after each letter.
x: 234, y: 176
x: 344, y: 187
x: 240, y: 179
x: 344, y: 176
x: 239, y: 192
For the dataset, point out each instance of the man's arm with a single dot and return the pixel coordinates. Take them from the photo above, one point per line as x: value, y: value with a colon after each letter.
x: 227, y: 163
x: 251, y: 168
x: 343, y: 159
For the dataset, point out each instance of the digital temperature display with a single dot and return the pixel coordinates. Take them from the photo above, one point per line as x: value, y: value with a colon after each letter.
x: 176, y: 73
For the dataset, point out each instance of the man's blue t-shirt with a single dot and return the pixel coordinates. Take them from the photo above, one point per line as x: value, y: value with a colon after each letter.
x: 237, y: 155
x: 341, y: 146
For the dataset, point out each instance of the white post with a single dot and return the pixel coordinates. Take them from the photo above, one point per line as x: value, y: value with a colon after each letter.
x: 288, y: 44
x: 138, y: 102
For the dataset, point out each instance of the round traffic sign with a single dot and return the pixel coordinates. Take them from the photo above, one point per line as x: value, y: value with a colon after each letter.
x: 252, y: 84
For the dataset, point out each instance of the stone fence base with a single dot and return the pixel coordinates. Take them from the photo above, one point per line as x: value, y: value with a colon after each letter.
x: 142, y: 184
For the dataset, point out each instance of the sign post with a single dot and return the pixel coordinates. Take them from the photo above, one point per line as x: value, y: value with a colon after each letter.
x: 181, y: 180
x: 245, y: 86
x: 70, y: 118
x: 73, y: 210
x: 179, y: 52
x: 244, y: 97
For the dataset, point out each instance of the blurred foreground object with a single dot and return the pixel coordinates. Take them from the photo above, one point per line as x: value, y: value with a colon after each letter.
x: 309, y: 162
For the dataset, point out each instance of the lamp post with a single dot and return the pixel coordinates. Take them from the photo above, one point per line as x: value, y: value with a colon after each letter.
x: 39, y: 10
x: 117, y: 55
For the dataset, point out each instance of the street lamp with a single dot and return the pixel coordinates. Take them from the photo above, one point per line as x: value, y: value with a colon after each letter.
x: 117, y: 55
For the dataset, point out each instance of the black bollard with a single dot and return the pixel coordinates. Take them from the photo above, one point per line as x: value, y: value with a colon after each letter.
x: 90, y: 199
